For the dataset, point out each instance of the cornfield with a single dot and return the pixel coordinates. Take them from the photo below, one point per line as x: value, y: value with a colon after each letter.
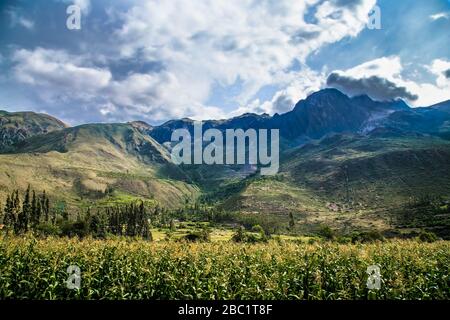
x: 120, y: 269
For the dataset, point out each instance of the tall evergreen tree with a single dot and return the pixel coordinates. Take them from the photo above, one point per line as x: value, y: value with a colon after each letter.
x: 45, y: 206
x: 142, y: 218
x: 35, y: 210
x: 38, y: 213
x: 16, y: 202
x: 146, y: 232
x: 291, y: 220
x: 131, y: 220
x: 15, y: 207
x: 96, y: 224
x: 9, y: 219
x: 25, y: 213
x: 172, y: 225
x: 6, y: 210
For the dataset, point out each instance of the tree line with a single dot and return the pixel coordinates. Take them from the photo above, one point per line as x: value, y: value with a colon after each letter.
x: 21, y: 216
x: 132, y: 220
x: 35, y: 214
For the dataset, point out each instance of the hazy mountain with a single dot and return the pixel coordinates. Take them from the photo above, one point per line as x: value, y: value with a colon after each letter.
x: 443, y: 106
x: 246, y: 121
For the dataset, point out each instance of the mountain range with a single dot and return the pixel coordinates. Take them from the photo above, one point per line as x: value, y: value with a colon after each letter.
x: 348, y: 162
x: 330, y: 111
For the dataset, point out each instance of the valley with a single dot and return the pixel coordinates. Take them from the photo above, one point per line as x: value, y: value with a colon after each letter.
x: 367, y: 173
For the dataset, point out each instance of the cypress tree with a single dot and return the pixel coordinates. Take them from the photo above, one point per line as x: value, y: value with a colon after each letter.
x: 45, y: 206
x: 147, y: 235
x: 291, y: 220
x: 146, y: 232
x: 34, y: 214
x: 38, y: 213
x: 87, y: 217
x: 142, y: 218
x: 5, y: 210
x: 24, y: 215
x: 9, y: 219
x: 15, y: 207
x: 114, y: 222
x: 172, y: 225
x: 16, y: 202
x: 53, y: 216
x: 111, y: 227
x: 131, y: 220
x: 94, y: 225
x: 120, y: 220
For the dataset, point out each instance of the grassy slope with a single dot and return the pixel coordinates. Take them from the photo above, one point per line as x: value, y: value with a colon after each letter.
x: 30, y: 120
x: 17, y: 126
x: 383, y: 174
x: 81, y: 163
x: 118, y: 163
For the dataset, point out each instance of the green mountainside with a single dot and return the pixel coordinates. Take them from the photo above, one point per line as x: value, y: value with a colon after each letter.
x: 348, y: 182
x: 18, y: 126
x: 96, y: 162
x: 386, y: 167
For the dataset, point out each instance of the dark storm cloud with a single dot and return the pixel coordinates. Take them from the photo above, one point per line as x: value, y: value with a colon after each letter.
x: 447, y: 74
x: 283, y: 104
x: 347, y: 3
x: 375, y: 87
x: 302, y: 36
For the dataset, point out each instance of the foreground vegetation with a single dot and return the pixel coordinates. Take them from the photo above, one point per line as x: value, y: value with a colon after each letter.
x: 141, y: 250
x: 119, y: 268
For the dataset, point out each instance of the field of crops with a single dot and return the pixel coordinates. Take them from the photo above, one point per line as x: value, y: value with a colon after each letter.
x: 121, y: 269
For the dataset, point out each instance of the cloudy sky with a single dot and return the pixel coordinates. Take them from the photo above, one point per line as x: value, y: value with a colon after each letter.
x: 158, y: 60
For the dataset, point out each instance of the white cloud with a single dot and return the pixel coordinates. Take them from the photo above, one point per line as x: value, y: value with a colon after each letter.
x: 85, y: 5
x: 300, y: 85
x: 390, y: 68
x: 440, y: 15
x: 58, y: 74
x: 439, y: 68
x: 199, y: 44
x: 18, y: 19
x: 203, y: 43
x: 159, y: 95
x: 60, y: 77
x: 107, y: 109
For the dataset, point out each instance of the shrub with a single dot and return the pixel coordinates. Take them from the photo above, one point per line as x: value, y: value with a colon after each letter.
x: 172, y: 225
x: 326, y: 232
x: 344, y: 240
x: 242, y: 236
x: 367, y: 236
x: 78, y: 228
x: 258, y: 229
x: 47, y: 229
x: 426, y: 236
x: 198, y: 236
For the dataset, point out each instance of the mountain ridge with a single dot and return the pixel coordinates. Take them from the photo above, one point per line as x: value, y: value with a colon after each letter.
x: 343, y: 161
x: 18, y: 126
x: 323, y: 112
